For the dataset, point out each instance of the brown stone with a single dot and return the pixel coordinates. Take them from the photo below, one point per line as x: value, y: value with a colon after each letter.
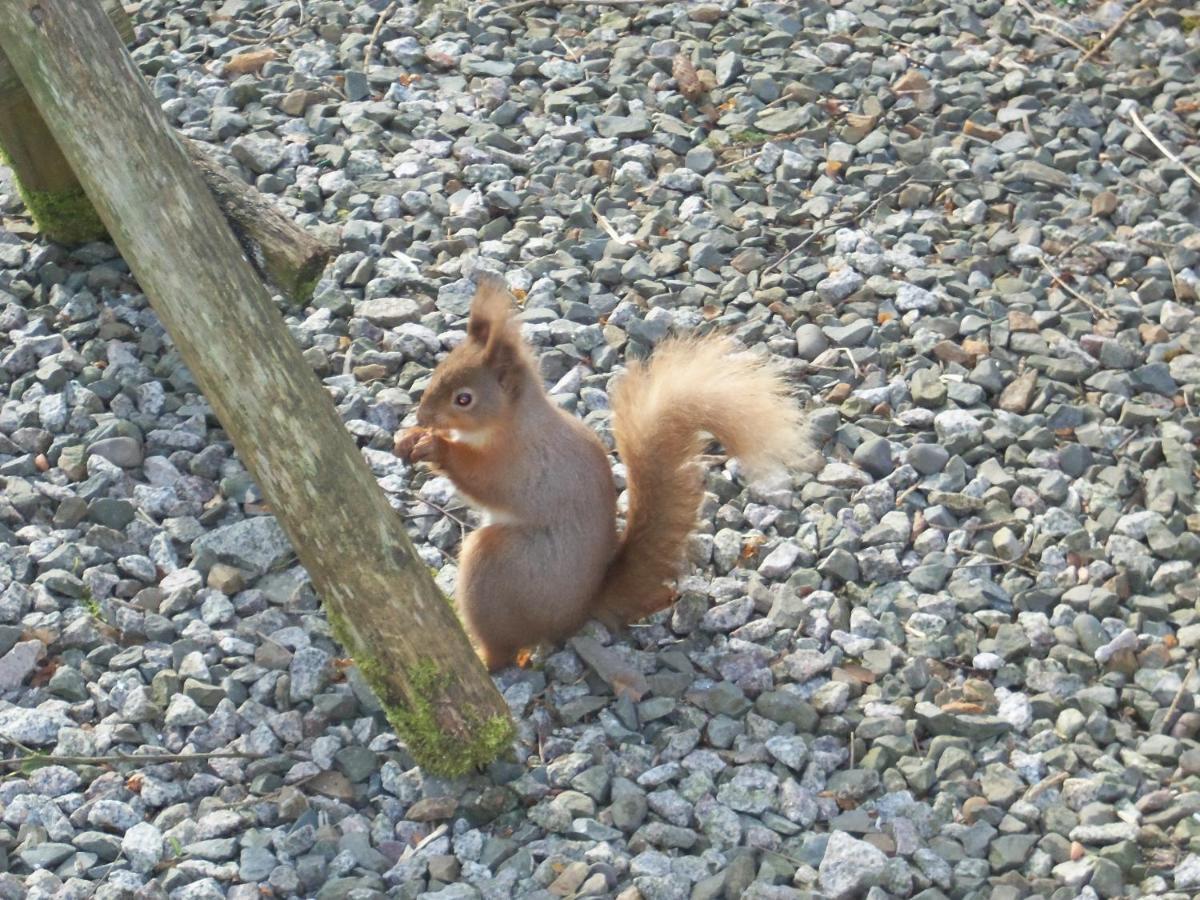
x: 1153, y: 333
x: 838, y: 393
x: 1019, y: 320
x: 432, y: 809
x: 569, y: 880
x: 706, y: 13
x: 976, y: 347
x: 332, y: 784
x: 972, y: 807
x: 294, y: 103
x: 252, y: 61
x: 1018, y: 393
x: 911, y: 82
x: 370, y: 372
x: 983, y: 132
x: 948, y: 351
x: 226, y: 579
x: 1104, y: 204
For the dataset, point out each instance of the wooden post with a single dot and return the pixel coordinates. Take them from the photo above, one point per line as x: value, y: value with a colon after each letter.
x: 48, y: 187
x: 282, y: 252
x: 286, y: 255
x: 381, y: 600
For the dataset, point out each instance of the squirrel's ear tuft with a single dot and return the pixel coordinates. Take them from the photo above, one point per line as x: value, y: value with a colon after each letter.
x: 504, y: 359
x: 490, y: 309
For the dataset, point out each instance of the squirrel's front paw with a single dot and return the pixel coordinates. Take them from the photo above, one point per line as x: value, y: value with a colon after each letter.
x: 407, y: 444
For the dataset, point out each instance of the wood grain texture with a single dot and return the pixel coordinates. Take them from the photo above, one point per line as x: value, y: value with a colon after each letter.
x: 282, y: 422
x: 284, y: 254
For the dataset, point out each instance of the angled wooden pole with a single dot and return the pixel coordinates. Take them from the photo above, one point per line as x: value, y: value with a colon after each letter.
x: 283, y: 253
x: 380, y: 598
x: 49, y: 189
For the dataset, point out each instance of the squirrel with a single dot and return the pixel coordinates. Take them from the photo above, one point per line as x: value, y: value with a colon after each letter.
x: 548, y: 557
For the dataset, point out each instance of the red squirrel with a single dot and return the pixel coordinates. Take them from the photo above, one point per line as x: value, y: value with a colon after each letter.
x: 548, y: 556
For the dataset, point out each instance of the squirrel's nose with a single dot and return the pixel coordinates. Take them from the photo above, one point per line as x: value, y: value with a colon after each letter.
x: 424, y: 419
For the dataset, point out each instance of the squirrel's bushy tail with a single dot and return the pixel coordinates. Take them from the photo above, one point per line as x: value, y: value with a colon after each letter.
x: 662, y: 411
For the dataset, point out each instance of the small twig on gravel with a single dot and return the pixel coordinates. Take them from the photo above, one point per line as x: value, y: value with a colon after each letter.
x: 1168, y: 719
x: 741, y: 159
x: 462, y: 526
x: 1050, y: 781
x: 1058, y: 279
x: 148, y: 759
x: 1060, y: 36
x: 1050, y: 31
x: 993, y: 560
x: 1115, y: 30
x: 603, y: 222
x: 1070, y: 247
x: 572, y: 53
x: 1166, y: 258
x: 999, y: 523
x: 1141, y: 126
x: 853, y: 362
x: 383, y: 17
x: 529, y: 4
x: 834, y: 226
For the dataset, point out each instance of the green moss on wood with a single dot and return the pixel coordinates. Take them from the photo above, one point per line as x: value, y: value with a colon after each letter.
x: 417, y: 724
x: 303, y: 288
x: 63, y: 216
x: 66, y: 217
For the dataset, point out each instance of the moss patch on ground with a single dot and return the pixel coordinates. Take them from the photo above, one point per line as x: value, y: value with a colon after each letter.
x: 417, y: 723
x: 66, y: 217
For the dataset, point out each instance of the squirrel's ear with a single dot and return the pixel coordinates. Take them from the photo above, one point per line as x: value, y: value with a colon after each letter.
x: 489, y: 310
x: 504, y: 358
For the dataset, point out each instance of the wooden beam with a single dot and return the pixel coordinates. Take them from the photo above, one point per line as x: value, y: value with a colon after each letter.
x: 285, y: 255
x: 48, y: 187
x: 10, y: 82
x: 282, y: 252
x: 380, y: 597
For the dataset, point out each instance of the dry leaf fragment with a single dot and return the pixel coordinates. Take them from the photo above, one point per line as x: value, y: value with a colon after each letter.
x: 962, y: 707
x: 686, y: 78
x: 252, y: 61
x: 983, y: 132
x: 911, y: 82
x: 861, y: 674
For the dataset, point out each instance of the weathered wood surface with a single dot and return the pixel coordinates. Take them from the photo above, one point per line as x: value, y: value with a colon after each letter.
x: 380, y: 597
x: 48, y: 187
x: 114, y: 9
x: 286, y: 255
x: 29, y: 146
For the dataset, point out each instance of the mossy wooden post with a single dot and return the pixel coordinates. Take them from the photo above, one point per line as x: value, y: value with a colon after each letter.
x: 44, y: 179
x: 380, y: 598
x: 282, y: 252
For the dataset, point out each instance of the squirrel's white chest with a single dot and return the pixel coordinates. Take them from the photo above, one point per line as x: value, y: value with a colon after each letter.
x: 498, y: 517
x: 468, y: 438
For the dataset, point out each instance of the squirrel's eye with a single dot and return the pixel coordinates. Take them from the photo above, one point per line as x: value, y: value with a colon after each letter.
x: 463, y: 399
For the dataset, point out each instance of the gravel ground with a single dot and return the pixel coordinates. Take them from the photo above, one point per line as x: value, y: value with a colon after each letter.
x: 954, y: 663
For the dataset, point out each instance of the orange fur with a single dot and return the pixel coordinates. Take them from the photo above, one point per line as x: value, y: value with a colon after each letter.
x: 661, y: 412
x: 550, y: 557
